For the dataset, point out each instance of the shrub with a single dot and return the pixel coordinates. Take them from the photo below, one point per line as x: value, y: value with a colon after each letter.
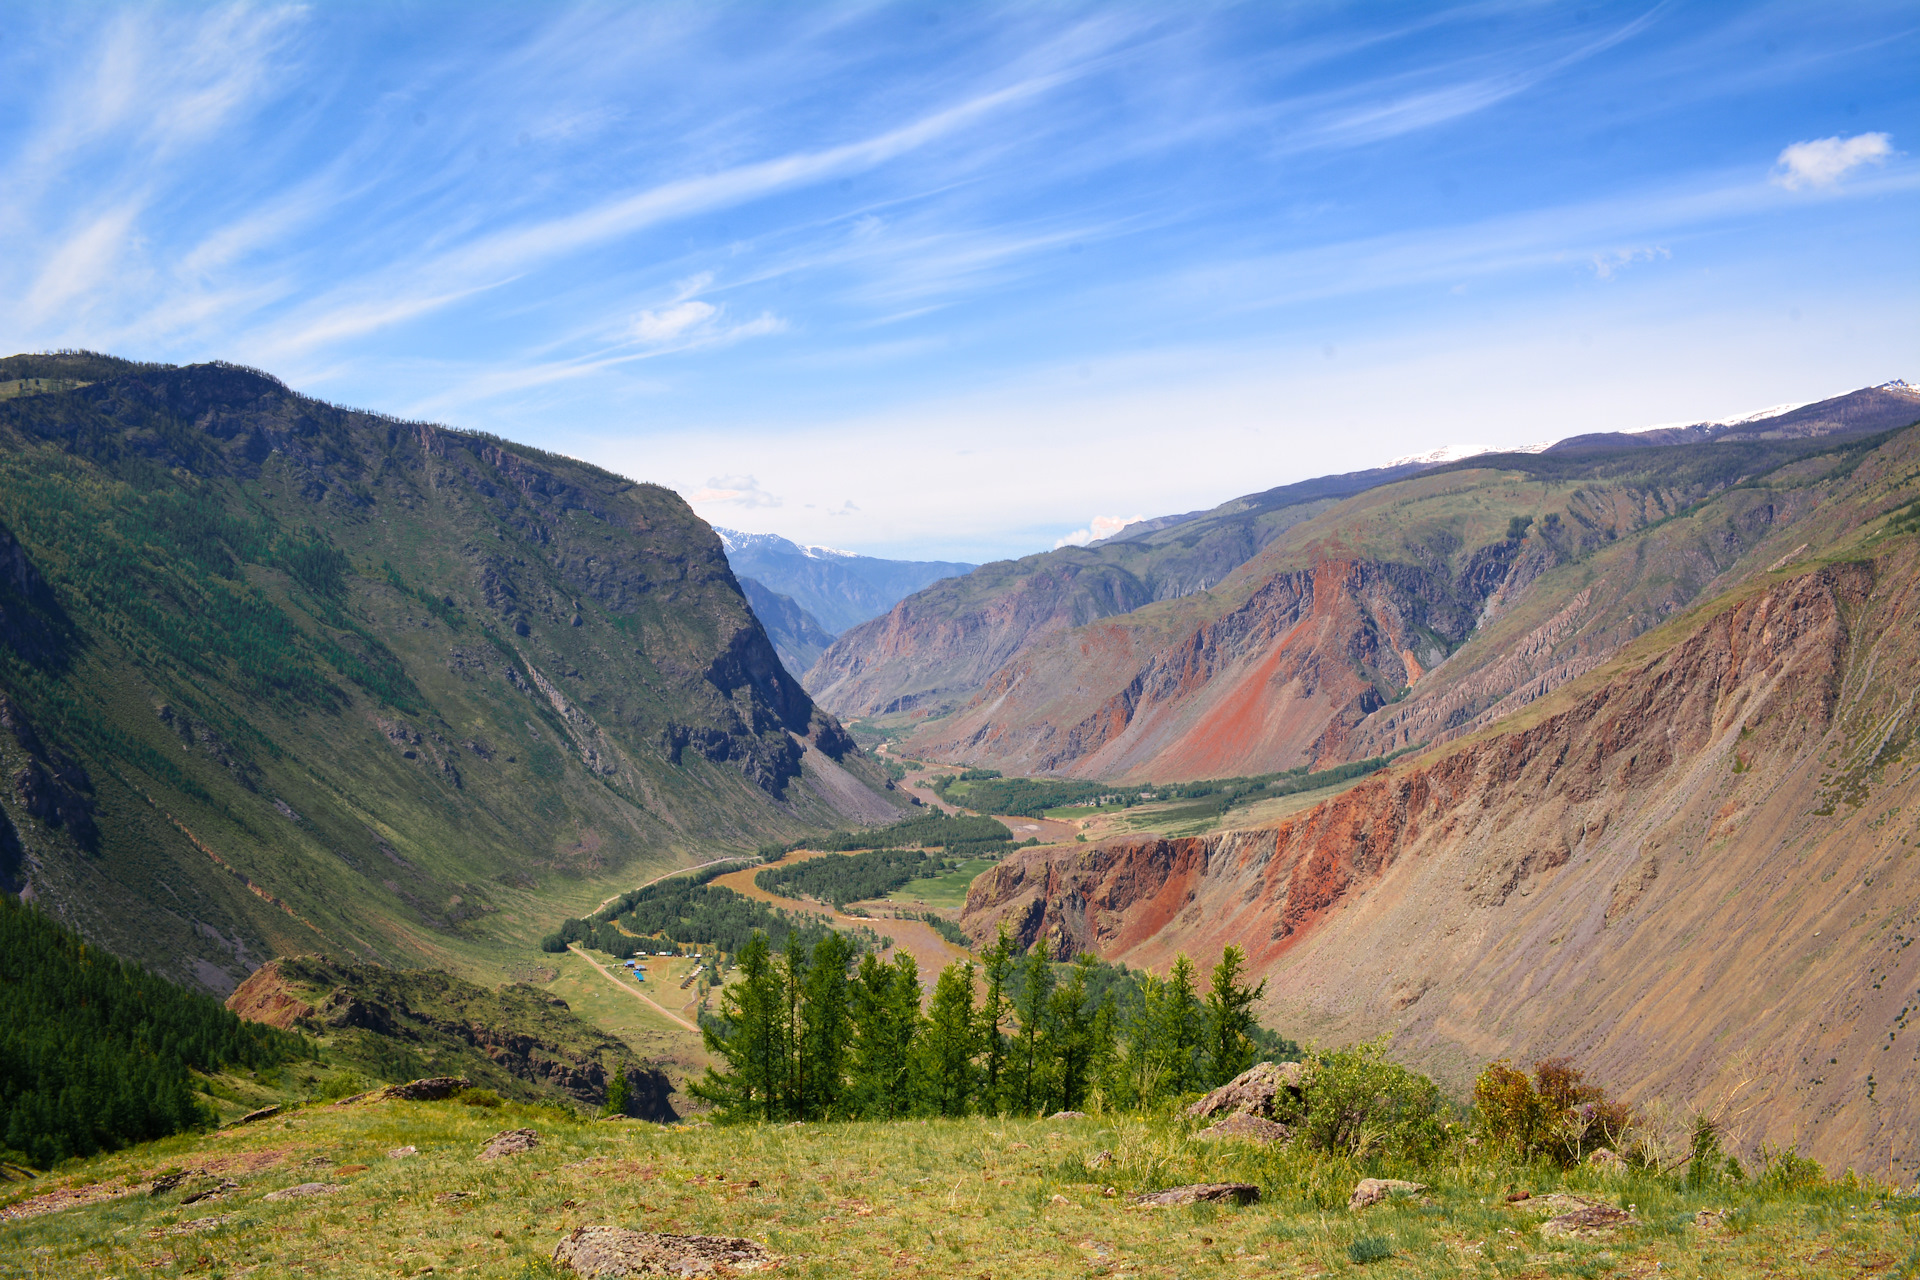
x: 1555, y: 1112
x: 1785, y: 1169
x: 1709, y: 1162
x: 478, y: 1098
x: 1360, y: 1104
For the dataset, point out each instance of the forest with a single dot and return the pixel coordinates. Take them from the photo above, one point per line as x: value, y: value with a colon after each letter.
x: 961, y: 837
x: 853, y: 878
x: 688, y: 911
x: 96, y: 1054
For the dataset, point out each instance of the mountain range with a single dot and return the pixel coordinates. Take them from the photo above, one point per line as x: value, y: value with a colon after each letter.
x: 280, y: 677
x: 1654, y: 806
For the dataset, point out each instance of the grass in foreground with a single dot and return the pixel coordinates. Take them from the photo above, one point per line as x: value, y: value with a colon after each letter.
x: 978, y: 1197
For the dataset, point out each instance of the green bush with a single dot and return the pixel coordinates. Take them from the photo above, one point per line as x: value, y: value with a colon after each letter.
x: 477, y: 1098
x: 1359, y: 1104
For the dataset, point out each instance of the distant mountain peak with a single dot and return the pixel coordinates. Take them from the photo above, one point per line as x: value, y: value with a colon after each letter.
x: 1455, y: 452
x: 734, y: 540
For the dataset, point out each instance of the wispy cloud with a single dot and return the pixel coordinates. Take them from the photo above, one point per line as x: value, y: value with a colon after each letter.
x: 732, y: 491
x: 1097, y: 528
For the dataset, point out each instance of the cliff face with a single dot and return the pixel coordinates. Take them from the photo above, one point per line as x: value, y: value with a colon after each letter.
x: 1693, y: 872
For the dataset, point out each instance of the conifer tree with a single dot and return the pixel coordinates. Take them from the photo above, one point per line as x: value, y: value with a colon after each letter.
x: 1030, y: 1010
x: 995, y: 963
x: 793, y: 978
x: 747, y: 1036
x: 948, y: 1043
x: 1182, y: 1031
x: 826, y: 1026
x: 1229, y: 1021
x: 619, y: 1094
x: 1070, y: 1028
x: 886, y: 1016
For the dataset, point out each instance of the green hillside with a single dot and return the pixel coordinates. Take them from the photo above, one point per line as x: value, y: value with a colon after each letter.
x: 280, y: 677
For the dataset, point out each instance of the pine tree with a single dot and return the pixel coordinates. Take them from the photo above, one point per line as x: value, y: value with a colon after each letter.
x: 1182, y: 1031
x: 995, y: 963
x: 1030, y: 1067
x: 1229, y: 1022
x: 793, y: 978
x: 948, y: 1042
x: 619, y: 1094
x: 886, y: 1017
x: 1070, y: 1027
x: 826, y: 1026
x: 747, y: 1036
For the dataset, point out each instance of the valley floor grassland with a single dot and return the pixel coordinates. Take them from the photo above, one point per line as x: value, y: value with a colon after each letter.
x: 930, y: 951
x: 946, y: 892
x: 981, y: 1197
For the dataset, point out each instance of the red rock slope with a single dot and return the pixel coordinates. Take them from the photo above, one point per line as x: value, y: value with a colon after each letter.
x: 1695, y: 871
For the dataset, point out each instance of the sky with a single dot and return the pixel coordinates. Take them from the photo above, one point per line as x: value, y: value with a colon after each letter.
x: 958, y: 281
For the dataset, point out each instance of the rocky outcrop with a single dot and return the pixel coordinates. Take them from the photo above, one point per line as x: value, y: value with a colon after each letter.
x: 1697, y: 849
x: 514, y: 1038
x: 597, y: 1252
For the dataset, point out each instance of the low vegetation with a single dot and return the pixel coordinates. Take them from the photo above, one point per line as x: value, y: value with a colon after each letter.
x: 1011, y: 1197
x: 684, y: 911
x: 986, y: 791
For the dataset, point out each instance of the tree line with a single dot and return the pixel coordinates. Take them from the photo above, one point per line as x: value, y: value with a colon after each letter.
x: 805, y: 1034
x: 95, y: 1053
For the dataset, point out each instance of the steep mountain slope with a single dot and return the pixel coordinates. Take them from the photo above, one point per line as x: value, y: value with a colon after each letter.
x: 839, y: 588
x: 1693, y: 869
x: 280, y: 677
x: 1408, y: 614
x: 797, y: 635
x: 935, y: 649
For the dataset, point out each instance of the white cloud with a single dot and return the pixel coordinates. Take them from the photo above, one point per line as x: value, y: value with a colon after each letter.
x: 1608, y: 261
x: 1824, y: 161
x: 732, y: 491
x: 665, y: 326
x: 1097, y: 528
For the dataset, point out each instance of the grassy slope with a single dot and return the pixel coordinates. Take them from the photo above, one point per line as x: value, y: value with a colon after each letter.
x: 1006, y: 1198
x: 444, y: 826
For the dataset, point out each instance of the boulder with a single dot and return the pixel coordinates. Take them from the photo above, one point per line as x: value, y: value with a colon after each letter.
x: 596, y: 1252
x: 1374, y: 1190
x: 1202, y: 1193
x: 261, y: 1114
x: 1248, y: 1127
x: 1606, y: 1161
x: 431, y: 1089
x: 1590, y: 1220
x: 510, y: 1142
x: 1252, y: 1092
x: 1068, y: 1115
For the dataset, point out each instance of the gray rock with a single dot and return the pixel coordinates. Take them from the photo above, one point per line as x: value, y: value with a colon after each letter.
x: 1608, y: 1162
x: 510, y: 1142
x: 1374, y: 1190
x: 303, y: 1190
x: 261, y: 1114
x: 431, y: 1089
x: 1202, y: 1193
x: 1254, y: 1091
x: 596, y: 1252
x: 1591, y: 1220
x: 1248, y: 1127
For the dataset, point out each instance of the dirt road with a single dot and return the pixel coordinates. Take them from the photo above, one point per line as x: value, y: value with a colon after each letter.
x: 634, y: 992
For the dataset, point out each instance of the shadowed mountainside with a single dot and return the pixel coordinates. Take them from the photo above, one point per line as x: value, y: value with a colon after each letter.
x: 839, y: 588
x: 797, y: 635
x: 279, y: 676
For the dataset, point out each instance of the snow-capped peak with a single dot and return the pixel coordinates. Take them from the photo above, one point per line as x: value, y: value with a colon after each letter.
x: 821, y: 553
x: 735, y: 541
x: 1899, y: 384
x: 1445, y: 453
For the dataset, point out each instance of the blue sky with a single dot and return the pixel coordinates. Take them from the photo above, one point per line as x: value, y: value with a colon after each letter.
x: 956, y: 280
